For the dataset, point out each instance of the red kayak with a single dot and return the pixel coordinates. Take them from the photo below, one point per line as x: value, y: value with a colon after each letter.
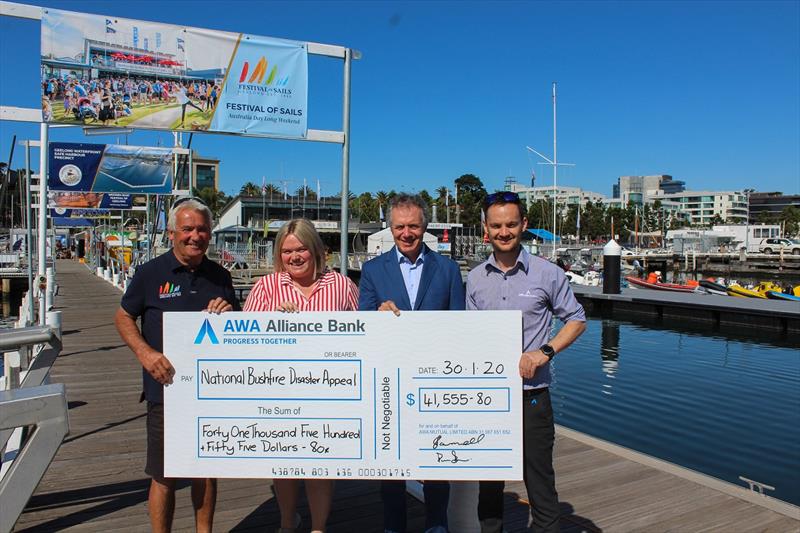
x: 660, y: 286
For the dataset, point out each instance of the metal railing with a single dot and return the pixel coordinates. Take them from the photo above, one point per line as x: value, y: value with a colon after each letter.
x: 252, y: 256
x: 44, y: 409
x: 33, y: 414
x: 355, y: 260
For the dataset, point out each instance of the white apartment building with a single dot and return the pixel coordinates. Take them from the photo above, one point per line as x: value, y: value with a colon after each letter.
x: 701, y: 206
x: 565, y: 196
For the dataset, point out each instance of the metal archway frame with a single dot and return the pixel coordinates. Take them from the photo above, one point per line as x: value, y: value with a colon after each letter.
x: 25, y: 11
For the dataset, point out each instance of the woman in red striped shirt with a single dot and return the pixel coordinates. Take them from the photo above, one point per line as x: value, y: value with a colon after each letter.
x: 302, y: 283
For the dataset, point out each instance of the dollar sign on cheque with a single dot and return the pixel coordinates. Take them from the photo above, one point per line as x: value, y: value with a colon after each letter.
x: 410, y: 399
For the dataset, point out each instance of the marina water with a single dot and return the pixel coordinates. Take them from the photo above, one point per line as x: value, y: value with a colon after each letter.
x: 726, y: 405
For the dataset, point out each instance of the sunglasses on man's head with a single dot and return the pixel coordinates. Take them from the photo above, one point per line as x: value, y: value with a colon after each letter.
x: 186, y: 199
x: 506, y: 197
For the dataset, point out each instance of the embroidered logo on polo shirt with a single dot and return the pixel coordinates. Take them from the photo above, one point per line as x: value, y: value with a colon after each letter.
x: 169, y: 290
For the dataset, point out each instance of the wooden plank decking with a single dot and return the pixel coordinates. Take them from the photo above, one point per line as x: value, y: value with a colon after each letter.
x: 96, y: 482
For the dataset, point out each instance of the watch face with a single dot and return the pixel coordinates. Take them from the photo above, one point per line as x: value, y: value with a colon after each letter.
x: 548, y: 350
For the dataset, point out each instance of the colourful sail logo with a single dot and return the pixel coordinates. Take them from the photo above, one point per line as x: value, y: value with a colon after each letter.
x: 259, y: 74
x: 169, y: 290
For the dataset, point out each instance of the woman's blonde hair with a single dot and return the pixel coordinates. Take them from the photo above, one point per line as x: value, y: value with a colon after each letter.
x: 306, y: 233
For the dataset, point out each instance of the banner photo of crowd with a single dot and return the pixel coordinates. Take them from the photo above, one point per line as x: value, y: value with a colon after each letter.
x: 107, y: 71
x: 110, y: 168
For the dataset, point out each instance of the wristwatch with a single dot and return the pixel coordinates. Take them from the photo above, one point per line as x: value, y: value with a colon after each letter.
x: 548, y: 351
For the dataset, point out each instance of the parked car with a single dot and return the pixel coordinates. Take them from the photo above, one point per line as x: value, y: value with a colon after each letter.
x: 776, y: 244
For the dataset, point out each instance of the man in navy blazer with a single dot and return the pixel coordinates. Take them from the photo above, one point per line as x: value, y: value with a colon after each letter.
x: 411, y: 277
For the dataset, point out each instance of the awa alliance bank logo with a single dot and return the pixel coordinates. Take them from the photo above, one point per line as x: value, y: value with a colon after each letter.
x: 169, y: 290
x: 259, y: 82
x: 206, y: 331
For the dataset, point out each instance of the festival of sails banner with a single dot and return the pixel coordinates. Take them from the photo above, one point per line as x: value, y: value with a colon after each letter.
x: 82, y: 167
x: 137, y: 74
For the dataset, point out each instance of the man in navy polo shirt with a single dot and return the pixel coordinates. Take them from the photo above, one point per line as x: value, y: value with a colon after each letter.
x: 183, y: 279
x: 511, y: 278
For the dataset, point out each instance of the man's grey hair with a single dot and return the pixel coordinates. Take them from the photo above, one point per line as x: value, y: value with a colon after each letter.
x: 409, y: 200
x: 192, y: 204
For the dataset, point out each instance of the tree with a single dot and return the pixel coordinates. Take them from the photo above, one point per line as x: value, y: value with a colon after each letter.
x: 471, y: 195
x: 250, y: 189
x: 426, y: 197
x: 790, y: 217
x: 540, y: 214
x: 214, y: 199
x: 716, y: 220
x: 271, y: 190
x: 306, y: 191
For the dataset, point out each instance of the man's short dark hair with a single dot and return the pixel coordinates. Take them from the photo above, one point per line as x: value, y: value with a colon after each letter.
x: 409, y: 200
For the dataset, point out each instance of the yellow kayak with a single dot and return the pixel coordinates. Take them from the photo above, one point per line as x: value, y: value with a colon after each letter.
x: 759, y: 292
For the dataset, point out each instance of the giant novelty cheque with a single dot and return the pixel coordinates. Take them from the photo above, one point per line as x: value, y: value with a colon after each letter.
x: 423, y: 395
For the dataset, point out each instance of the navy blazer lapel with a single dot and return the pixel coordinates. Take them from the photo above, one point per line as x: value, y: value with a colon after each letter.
x: 395, y: 277
x: 429, y: 268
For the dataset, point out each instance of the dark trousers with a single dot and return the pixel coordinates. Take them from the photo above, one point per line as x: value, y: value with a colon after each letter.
x: 437, y: 495
x: 540, y: 480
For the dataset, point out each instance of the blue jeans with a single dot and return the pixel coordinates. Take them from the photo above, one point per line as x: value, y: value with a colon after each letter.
x: 437, y: 495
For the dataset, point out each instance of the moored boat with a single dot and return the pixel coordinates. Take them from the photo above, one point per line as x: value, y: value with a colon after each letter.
x: 760, y: 291
x: 777, y: 295
x: 675, y: 287
x: 713, y: 287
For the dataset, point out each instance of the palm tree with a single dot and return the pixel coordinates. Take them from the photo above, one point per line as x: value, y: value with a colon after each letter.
x: 250, y: 189
x: 308, y: 192
x: 382, y: 198
x: 272, y: 190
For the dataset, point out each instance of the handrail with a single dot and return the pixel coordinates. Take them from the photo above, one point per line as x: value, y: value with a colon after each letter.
x: 45, y: 408
x: 14, y: 339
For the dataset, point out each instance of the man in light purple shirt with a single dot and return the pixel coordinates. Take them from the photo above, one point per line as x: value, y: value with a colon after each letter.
x: 513, y: 279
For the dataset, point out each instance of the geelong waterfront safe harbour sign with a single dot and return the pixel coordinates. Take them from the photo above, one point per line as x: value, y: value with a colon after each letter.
x: 423, y: 395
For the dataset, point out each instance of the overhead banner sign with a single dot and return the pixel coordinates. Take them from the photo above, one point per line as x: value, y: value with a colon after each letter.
x: 130, y: 73
x: 89, y: 200
x: 110, y: 168
x: 72, y: 222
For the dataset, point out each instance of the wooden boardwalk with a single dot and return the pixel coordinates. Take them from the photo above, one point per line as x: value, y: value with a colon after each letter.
x: 96, y: 482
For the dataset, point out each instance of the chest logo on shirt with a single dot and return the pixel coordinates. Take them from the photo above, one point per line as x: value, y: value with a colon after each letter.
x: 169, y: 290
x: 528, y: 294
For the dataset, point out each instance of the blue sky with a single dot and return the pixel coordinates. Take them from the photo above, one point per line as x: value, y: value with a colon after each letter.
x: 708, y: 92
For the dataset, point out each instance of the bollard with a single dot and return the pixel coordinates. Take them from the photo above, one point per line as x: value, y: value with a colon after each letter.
x: 48, y: 299
x: 107, y: 274
x: 125, y: 284
x: 51, y: 281
x: 99, y: 272
x: 115, y: 279
x: 54, y: 321
x: 611, y: 267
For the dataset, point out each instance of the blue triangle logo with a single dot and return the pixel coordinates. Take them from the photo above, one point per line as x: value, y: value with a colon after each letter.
x: 206, y: 329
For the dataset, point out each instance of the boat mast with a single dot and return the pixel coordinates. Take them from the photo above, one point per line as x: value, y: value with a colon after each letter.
x: 555, y: 173
x: 554, y: 162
